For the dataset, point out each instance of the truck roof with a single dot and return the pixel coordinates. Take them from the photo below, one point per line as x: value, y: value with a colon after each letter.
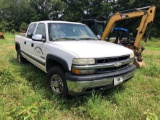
x: 51, y: 21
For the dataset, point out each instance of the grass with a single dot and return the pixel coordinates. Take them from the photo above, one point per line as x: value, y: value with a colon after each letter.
x: 24, y: 95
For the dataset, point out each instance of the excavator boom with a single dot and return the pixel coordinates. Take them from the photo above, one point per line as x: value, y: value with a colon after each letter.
x: 146, y: 21
x: 147, y: 17
x: 118, y: 17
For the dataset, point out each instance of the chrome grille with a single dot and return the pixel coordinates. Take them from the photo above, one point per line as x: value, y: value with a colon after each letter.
x: 104, y: 70
x: 112, y: 60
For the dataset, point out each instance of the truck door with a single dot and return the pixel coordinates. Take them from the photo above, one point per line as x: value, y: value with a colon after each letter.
x: 27, y: 42
x: 39, y: 47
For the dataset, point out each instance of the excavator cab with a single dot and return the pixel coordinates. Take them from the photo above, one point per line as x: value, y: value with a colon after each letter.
x: 120, y: 35
x: 95, y: 25
x: 123, y: 37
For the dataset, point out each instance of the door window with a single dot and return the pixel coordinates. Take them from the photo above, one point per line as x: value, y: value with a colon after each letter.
x: 41, y: 30
x: 31, y: 30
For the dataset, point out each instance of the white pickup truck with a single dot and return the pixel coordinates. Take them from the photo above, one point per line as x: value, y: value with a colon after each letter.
x: 75, y: 61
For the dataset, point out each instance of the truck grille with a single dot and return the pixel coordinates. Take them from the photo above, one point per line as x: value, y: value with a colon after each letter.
x: 104, y: 70
x: 112, y: 60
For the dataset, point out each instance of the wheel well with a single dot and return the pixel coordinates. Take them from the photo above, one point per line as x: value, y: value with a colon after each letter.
x: 51, y: 63
x: 17, y: 46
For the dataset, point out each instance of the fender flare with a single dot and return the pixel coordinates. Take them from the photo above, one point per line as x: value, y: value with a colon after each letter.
x: 58, y: 59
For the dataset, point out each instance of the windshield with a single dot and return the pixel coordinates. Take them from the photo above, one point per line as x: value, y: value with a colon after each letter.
x: 68, y: 31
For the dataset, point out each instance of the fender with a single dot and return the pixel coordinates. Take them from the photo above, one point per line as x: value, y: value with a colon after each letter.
x: 57, y: 59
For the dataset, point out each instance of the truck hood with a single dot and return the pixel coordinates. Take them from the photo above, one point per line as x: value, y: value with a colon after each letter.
x: 93, y: 49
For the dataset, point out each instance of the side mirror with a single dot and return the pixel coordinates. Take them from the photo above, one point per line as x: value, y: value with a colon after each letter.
x: 99, y: 37
x: 38, y: 37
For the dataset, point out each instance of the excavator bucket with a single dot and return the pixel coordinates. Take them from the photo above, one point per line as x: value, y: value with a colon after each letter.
x: 1, y: 35
x: 139, y: 64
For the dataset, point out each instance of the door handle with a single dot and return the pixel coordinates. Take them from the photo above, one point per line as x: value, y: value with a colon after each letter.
x: 24, y: 42
x: 32, y: 44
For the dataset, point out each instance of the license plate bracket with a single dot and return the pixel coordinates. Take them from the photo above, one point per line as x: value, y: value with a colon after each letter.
x: 117, y: 80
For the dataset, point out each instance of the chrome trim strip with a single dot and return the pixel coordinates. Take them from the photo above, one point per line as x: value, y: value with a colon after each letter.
x: 106, y: 65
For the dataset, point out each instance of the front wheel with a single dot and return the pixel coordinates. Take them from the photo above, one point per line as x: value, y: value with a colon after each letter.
x: 57, y: 82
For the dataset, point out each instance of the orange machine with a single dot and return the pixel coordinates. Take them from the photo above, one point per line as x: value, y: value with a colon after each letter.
x: 147, y: 14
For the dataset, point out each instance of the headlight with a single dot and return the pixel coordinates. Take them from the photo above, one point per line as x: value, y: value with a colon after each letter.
x: 80, y: 62
x: 132, y: 55
x: 83, y: 61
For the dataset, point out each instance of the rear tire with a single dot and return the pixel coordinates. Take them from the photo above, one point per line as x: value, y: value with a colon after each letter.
x: 20, y: 58
x: 57, y: 82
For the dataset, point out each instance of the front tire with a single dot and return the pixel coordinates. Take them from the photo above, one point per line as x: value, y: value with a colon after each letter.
x: 57, y: 82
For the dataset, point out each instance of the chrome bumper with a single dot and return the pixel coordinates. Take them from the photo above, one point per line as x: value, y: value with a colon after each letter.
x: 81, y: 86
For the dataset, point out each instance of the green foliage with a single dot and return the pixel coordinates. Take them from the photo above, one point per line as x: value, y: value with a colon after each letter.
x: 97, y: 108
x: 3, y: 25
x: 150, y: 116
x: 154, y: 32
x: 24, y: 113
x: 24, y: 95
x: 6, y: 76
x: 152, y: 70
x: 92, y: 9
x: 13, y: 31
x: 23, y: 27
x: 20, y: 13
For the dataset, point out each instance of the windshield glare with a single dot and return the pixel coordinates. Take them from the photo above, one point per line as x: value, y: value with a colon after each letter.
x: 68, y: 31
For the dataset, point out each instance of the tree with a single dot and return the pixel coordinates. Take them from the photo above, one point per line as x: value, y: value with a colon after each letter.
x: 46, y: 9
x: 91, y: 9
x: 18, y: 12
x: 14, y: 12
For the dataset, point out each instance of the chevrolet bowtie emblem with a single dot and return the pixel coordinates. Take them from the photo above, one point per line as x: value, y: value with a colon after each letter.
x: 117, y: 64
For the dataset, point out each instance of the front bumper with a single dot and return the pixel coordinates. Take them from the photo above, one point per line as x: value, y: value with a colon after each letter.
x: 81, y: 84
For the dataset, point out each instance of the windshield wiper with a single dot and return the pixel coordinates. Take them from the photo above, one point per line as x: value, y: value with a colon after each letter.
x: 89, y: 38
x: 65, y: 38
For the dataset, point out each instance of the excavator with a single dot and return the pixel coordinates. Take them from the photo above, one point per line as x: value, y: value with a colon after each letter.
x: 124, y: 38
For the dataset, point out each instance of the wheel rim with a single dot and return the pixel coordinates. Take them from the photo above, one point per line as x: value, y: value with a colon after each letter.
x: 56, y: 83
